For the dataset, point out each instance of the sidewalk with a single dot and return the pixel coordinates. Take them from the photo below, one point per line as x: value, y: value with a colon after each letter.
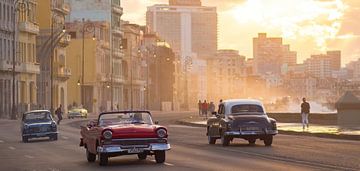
x: 326, y: 131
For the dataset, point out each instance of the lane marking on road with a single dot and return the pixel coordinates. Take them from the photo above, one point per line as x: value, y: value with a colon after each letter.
x: 12, y: 148
x: 182, y: 126
x: 1, y: 141
x: 29, y: 157
x: 65, y: 138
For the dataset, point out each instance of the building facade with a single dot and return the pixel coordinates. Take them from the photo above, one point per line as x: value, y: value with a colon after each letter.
x: 51, y: 52
x: 270, y: 55
x: 109, y: 11
x: 226, y: 73
x: 26, y: 67
x: 322, y: 65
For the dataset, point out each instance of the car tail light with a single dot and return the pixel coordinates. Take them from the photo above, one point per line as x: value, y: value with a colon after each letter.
x: 107, y: 134
x: 162, y: 133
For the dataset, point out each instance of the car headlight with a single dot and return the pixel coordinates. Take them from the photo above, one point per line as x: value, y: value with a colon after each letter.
x: 107, y: 134
x: 53, y: 124
x: 273, y: 125
x: 161, y: 133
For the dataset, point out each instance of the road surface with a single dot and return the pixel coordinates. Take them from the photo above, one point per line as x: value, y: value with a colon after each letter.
x: 190, y: 151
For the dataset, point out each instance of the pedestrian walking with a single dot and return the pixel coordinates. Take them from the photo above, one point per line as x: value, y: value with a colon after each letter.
x: 305, y: 111
x: 219, y: 104
x: 200, y: 107
x: 205, y: 108
x: 59, y: 113
x: 211, y: 108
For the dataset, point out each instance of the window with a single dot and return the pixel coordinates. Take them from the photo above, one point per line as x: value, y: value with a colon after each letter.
x: 246, y: 108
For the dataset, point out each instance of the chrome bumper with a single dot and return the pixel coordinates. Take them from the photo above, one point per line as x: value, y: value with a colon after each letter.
x: 41, y: 134
x: 239, y: 133
x: 117, y: 148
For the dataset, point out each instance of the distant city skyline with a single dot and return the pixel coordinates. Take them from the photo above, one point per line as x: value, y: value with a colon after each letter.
x: 327, y: 25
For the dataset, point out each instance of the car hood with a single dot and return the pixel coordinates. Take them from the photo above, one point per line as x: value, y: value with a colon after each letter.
x: 133, y: 131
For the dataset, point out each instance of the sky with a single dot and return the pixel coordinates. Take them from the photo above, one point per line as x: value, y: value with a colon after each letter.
x: 309, y: 26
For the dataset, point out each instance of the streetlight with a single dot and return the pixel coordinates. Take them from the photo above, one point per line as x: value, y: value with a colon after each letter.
x: 90, y: 28
x: 19, y: 5
x: 53, y: 20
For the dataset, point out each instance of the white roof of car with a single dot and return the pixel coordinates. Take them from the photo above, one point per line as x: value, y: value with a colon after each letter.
x: 242, y: 101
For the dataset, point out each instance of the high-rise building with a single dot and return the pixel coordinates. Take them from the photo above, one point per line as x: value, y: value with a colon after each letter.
x: 51, y: 52
x: 322, y: 65
x: 188, y: 27
x: 226, y: 73
x: 270, y: 55
x: 109, y: 11
x: 26, y: 67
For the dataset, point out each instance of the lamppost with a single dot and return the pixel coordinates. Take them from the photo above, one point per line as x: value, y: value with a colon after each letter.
x: 90, y: 28
x: 19, y: 6
x: 187, y: 67
x: 54, y: 18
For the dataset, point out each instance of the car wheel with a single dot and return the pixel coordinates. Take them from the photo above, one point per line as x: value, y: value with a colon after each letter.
x: 104, y: 159
x: 25, y: 139
x: 160, y: 156
x: 268, y: 140
x: 142, y: 156
x: 252, y: 141
x: 90, y: 156
x: 225, y: 140
x: 211, y: 140
x: 53, y: 137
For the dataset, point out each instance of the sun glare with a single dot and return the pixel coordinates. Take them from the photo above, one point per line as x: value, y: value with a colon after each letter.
x: 319, y: 20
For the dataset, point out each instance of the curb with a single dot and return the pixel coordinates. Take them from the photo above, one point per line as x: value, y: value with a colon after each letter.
x: 320, y: 135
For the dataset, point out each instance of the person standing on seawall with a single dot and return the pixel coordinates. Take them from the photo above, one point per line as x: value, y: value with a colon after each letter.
x: 305, y: 111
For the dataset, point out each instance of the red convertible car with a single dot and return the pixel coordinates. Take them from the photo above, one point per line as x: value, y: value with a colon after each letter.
x: 124, y: 133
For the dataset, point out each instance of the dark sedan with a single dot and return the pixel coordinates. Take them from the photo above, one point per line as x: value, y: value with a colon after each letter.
x: 37, y: 124
x: 241, y: 118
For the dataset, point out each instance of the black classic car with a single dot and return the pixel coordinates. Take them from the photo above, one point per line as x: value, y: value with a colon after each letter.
x: 241, y: 118
x: 38, y: 123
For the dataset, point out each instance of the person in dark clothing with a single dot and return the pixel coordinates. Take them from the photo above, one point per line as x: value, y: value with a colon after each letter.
x: 305, y: 111
x: 59, y: 113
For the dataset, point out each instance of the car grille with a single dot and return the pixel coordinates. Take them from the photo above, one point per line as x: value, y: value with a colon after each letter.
x: 129, y: 143
x: 39, y: 129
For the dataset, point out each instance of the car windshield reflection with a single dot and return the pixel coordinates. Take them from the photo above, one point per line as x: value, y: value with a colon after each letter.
x: 37, y: 117
x: 125, y: 118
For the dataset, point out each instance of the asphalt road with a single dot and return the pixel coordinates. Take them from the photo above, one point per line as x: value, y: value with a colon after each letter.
x: 190, y: 151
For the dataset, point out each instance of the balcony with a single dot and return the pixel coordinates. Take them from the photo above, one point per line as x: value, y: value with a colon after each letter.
x: 65, y: 40
x: 117, y: 31
x: 63, y: 8
x: 29, y: 27
x: 5, y: 65
x: 117, y: 9
x: 63, y: 73
x: 118, y: 53
x: 32, y: 68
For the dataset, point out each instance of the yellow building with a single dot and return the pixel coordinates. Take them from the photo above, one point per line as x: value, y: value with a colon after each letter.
x: 26, y: 67
x: 89, y: 86
x: 52, y: 43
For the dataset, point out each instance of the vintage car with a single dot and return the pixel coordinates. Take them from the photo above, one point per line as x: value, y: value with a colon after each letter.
x: 124, y: 133
x: 241, y: 118
x: 77, y: 113
x: 38, y: 123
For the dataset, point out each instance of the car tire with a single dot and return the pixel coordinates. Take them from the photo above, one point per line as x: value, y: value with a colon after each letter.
x: 225, y: 140
x: 142, y: 156
x: 211, y: 140
x: 268, y: 140
x: 103, y: 159
x: 25, y: 139
x: 252, y: 141
x: 90, y: 156
x: 160, y: 156
x: 54, y: 137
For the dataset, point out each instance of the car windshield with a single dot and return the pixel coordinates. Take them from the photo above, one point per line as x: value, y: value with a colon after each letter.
x: 37, y: 117
x: 125, y: 118
x: 247, y: 109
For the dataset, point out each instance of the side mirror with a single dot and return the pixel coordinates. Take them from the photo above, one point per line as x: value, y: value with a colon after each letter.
x: 156, y: 122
